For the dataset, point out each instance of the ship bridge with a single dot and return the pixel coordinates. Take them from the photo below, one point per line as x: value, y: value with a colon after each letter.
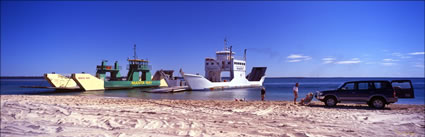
x: 225, y: 61
x: 137, y: 66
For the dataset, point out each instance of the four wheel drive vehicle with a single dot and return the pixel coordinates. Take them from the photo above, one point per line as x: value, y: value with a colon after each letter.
x: 376, y: 93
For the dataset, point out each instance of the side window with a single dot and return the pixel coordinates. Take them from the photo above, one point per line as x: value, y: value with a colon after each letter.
x: 386, y: 85
x: 364, y: 86
x: 348, y: 86
x: 404, y: 85
x: 381, y: 85
x: 378, y: 85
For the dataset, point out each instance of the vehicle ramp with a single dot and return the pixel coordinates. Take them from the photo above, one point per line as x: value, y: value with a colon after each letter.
x: 256, y: 73
x: 166, y: 77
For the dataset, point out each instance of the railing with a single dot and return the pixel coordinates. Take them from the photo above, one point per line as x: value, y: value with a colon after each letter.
x: 99, y: 67
x: 141, y: 67
x: 238, y: 57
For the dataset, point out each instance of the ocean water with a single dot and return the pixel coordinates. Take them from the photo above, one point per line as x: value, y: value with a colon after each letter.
x: 276, y: 89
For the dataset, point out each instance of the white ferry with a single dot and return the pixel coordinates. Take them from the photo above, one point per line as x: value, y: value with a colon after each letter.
x: 225, y: 61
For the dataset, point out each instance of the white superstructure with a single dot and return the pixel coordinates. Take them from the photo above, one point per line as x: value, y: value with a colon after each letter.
x: 224, y: 61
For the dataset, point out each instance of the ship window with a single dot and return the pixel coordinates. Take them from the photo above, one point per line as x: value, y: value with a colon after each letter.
x: 206, y: 63
x: 228, y: 62
x: 212, y: 63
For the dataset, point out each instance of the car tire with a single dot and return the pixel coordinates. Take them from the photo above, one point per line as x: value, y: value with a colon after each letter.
x: 330, y: 101
x: 378, y: 103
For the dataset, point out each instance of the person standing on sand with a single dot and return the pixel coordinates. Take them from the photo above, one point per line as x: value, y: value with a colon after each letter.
x: 295, y: 89
x: 263, y: 93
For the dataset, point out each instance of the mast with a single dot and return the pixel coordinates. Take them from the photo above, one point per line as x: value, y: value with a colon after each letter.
x: 231, y: 64
x: 230, y: 53
x: 135, y: 56
x: 244, y: 55
x: 225, y: 43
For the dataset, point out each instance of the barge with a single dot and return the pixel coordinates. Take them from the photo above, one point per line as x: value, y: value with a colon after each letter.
x: 138, y: 76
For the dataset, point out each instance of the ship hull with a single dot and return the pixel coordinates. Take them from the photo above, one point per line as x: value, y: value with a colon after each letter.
x: 198, y: 82
x: 130, y: 84
x: 89, y: 82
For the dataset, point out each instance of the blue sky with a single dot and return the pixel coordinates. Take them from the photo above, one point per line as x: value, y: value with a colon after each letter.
x: 292, y: 39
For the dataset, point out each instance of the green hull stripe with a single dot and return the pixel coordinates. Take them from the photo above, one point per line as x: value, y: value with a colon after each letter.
x: 129, y: 84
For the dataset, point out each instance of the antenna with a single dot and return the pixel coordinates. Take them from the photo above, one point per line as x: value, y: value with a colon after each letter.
x: 244, y: 55
x: 230, y: 52
x: 225, y: 43
x: 231, y: 64
x: 135, y: 56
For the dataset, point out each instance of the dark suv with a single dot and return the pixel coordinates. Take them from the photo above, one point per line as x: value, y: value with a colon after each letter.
x: 376, y: 93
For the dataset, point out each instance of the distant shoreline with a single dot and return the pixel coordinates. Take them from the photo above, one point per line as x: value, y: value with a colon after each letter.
x: 22, y: 77
x: 41, y: 77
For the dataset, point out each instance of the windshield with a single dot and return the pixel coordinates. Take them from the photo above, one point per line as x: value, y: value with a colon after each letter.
x: 340, y: 86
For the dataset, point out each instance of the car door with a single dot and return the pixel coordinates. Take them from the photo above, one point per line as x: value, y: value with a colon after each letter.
x: 346, y: 91
x: 383, y: 88
x: 403, y: 88
x: 364, y: 90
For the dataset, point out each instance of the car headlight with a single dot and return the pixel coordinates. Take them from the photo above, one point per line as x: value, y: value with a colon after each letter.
x: 320, y: 94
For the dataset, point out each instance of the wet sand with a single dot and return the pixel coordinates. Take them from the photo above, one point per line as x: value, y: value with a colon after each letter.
x: 28, y: 115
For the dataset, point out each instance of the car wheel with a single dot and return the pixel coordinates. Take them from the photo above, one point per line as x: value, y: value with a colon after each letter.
x: 378, y: 103
x: 330, y: 101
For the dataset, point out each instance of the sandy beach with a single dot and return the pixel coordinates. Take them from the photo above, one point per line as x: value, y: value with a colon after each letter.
x: 25, y: 115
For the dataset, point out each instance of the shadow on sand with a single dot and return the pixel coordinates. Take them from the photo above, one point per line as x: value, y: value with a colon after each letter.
x: 347, y: 106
